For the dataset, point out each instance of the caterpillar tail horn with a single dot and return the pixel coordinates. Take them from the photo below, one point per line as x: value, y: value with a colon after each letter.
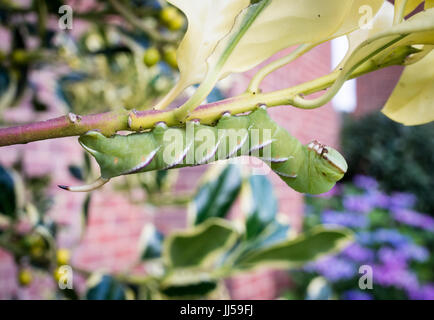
x: 86, y: 188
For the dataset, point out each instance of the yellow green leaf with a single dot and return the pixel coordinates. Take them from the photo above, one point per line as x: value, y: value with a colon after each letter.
x: 382, y: 21
x: 418, y: 30
x: 208, y: 22
x: 279, y: 25
x: 410, y: 5
x: 411, y: 103
x: 429, y: 4
x: 388, y: 47
x: 361, y: 13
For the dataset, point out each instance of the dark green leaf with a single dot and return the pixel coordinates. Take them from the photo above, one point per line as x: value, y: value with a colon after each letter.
x: 76, y: 172
x: 7, y: 193
x: 296, y: 252
x: 106, y: 289
x: 5, y: 78
x: 161, y: 178
x: 151, y: 243
x: 263, y: 206
x: 85, y: 209
x: 198, y: 245
x: 38, y: 106
x: 275, y: 233
x: 215, y: 198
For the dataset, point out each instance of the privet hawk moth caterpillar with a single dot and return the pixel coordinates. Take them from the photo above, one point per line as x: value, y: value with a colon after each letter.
x: 311, y: 168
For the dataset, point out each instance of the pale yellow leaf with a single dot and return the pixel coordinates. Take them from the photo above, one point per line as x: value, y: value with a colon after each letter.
x: 281, y: 24
x: 409, y: 7
x: 360, y: 16
x: 389, y: 47
x: 208, y: 22
x: 382, y: 21
x: 418, y: 30
x: 412, y: 101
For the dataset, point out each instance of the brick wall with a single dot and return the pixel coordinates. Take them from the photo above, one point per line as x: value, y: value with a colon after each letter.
x: 374, y: 89
x: 110, y: 242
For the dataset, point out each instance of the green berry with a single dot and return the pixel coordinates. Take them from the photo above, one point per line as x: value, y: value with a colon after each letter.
x: 63, y: 256
x: 25, y: 277
x: 168, y: 13
x: 176, y: 23
x: 19, y: 56
x: 170, y: 57
x: 151, y: 57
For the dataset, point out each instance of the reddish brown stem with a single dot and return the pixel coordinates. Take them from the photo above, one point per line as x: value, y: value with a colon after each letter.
x: 70, y: 125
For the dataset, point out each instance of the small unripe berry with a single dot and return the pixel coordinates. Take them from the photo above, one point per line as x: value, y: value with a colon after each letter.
x: 170, y: 57
x: 176, y: 23
x: 63, y: 256
x: 19, y: 56
x: 25, y: 277
x: 36, y: 252
x: 57, y: 274
x: 168, y: 13
x: 151, y: 57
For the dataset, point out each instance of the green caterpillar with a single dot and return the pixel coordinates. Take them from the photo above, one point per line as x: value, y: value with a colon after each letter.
x: 313, y: 168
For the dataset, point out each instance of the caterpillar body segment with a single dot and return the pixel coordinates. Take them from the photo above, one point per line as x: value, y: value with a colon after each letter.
x: 312, y: 168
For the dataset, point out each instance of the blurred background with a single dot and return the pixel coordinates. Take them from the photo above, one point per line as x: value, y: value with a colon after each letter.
x: 122, y: 54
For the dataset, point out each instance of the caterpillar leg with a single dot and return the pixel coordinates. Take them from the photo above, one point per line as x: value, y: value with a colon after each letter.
x: 86, y: 188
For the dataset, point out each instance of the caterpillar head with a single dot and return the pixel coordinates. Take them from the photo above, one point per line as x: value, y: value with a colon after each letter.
x: 326, y: 167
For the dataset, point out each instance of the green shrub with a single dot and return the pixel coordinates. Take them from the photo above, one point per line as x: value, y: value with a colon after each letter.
x: 399, y: 157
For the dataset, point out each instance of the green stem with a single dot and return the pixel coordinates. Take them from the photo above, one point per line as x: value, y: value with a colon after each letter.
x: 197, y: 98
x: 277, y: 64
x: 170, y: 96
x: 344, y: 75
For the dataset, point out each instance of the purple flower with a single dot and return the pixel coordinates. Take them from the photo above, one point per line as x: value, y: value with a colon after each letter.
x: 379, y: 199
x: 354, y: 220
x: 334, y: 268
x: 402, y: 200
x: 357, y: 295
x: 395, y: 276
x: 415, y: 252
x: 403, y: 254
x: 425, y: 292
x: 413, y: 218
x: 389, y: 236
x: 364, y: 238
x: 382, y: 236
x: 357, y: 203
x: 358, y: 253
x: 392, y: 258
x: 365, y: 182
